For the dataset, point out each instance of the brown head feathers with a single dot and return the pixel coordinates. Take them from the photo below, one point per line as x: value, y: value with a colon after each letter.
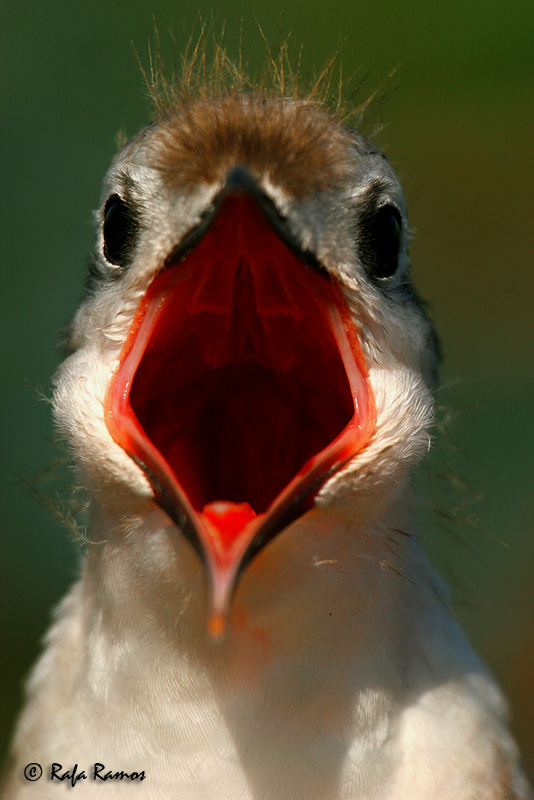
x: 212, y: 116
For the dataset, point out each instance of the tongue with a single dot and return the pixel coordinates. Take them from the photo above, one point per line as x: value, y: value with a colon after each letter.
x: 227, y: 525
x: 227, y: 518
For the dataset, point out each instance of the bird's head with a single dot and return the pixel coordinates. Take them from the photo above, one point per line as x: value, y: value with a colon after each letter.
x: 250, y: 348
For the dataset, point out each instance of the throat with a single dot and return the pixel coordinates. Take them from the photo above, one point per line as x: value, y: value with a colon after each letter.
x: 244, y: 399
x: 314, y: 627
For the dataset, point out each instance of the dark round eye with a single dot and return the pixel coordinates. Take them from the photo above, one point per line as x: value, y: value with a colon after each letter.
x: 380, y: 238
x: 120, y: 227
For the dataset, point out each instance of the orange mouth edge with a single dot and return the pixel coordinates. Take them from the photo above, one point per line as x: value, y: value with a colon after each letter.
x: 225, y: 555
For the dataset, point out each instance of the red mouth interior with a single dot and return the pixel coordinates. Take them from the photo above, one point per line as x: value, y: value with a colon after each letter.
x: 241, y: 382
x: 246, y: 395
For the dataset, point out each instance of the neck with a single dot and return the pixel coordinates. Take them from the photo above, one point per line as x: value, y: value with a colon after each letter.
x: 319, y: 625
x: 325, y: 578
x: 325, y: 628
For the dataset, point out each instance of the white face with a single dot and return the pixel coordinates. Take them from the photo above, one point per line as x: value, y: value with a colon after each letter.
x: 346, y: 217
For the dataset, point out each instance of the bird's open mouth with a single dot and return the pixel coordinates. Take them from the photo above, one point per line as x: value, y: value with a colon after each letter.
x: 241, y: 388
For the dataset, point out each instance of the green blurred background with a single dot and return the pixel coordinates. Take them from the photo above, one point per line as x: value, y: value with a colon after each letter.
x: 459, y: 132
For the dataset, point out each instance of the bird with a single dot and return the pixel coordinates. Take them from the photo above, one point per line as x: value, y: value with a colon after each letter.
x: 249, y: 383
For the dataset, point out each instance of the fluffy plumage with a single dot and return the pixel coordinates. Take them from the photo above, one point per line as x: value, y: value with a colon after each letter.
x: 342, y: 673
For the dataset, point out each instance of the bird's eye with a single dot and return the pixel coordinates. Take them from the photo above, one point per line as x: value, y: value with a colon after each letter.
x: 120, y: 227
x: 380, y: 241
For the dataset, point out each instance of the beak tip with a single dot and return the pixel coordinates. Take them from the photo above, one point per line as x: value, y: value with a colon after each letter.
x: 217, y: 623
